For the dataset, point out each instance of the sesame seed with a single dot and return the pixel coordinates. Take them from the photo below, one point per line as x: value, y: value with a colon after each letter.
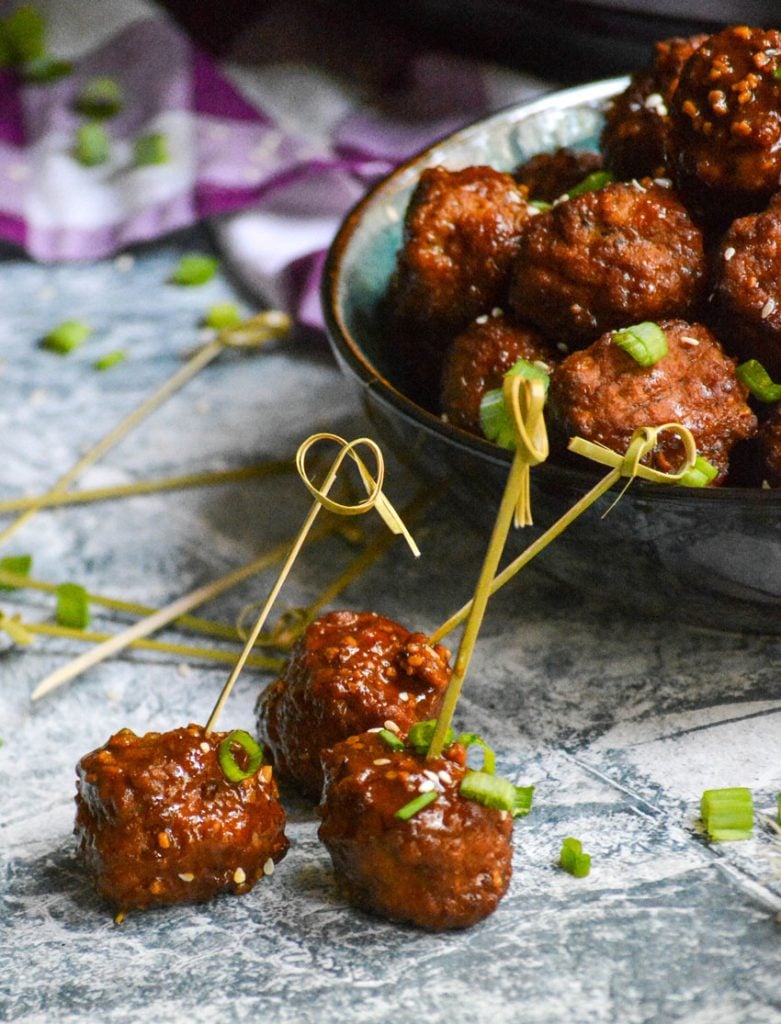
x: 268, y: 867
x: 663, y: 182
x: 445, y: 777
x: 183, y: 670
x: 497, y: 311
x: 768, y: 308
x: 376, y: 728
x: 688, y: 340
x: 541, y: 365
x: 431, y: 775
x: 403, y: 695
x: 729, y: 253
x: 562, y: 346
x: 381, y: 760
x: 655, y: 103
x: 188, y: 876
x: 482, y: 319
x: 205, y: 747
x: 239, y: 876
x: 392, y: 214
x: 636, y: 185
x: 392, y: 726
x: 426, y: 786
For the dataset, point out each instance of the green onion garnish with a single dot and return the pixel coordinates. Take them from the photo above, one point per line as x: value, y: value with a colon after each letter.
x: 110, y: 359
x: 422, y: 733
x: 727, y: 814
x: 221, y: 315
x: 411, y: 809
x: 470, y: 739
x: 500, y: 794
x: 17, y: 565
x: 195, y: 269
x: 231, y: 768
x: 23, y: 36
x: 591, y: 183
x: 776, y: 72
x: 151, y: 149
x: 646, y: 343
x: 92, y: 145
x: 573, y: 859
x: 100, y: 98
x: 700, y: 474
x: 494, y: 417
x: 541, y: 205
x: 67, y: 336
x: 72, y: 606
x: 43, y: 70
x: 759, y: 382
x: 391, y: 739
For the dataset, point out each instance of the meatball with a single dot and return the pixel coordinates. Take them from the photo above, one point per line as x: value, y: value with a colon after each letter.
x: 618, y: 255
x: 350, y: 671
x: 635, y: 137
x: 549, y: 175
x: 748, y: 288
x: 725, y: 125
x: 770, y: 447
x: 602, y: 394
x: 158, y: 821
x: 446, y: 867
x: 478, y: 360
x: 460, y: 235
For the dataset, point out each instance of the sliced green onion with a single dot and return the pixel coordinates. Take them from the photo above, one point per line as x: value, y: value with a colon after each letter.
x: 72, y: 606
x: 494, y: 418
x: 646, y: 343
x: 700, y: 474
x: 23, y: 34
x: 195, y: 269
x: 541, y: 205
x: 776, y: 72
x: 759, y: 382
x: 411, y: 809
x: 231, y: 768
x: 151, y: 149
x: 498, y: 793
x: 92, y: 145
x: 110, y: 359
x: 471, y: 739
x: 221, y: 315
x: 422, y: 733
x: 100, y: 98
x: 727, y: 814
x: 43, y: 70
x: 68, y: 336
x: 391, y: 739
x: 573, y: 859
x: 591, y: 183
x: 17, y: 565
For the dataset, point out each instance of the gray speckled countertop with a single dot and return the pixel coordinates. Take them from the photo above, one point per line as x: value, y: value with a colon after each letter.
x: 619, y: 724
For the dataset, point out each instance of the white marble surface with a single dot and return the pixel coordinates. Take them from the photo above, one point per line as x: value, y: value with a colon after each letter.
x: 620, y: 724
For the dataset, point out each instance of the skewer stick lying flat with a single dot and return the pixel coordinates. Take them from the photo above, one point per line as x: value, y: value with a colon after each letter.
x: 629, y: 465
x: 375, y: 499
x: 278, y: 325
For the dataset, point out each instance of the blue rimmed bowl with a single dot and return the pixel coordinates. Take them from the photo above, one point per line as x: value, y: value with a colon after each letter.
x: 714, y: 555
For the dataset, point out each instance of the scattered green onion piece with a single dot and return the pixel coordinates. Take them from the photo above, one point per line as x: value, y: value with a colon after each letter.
x: 776, y: 72
x: 700, y: 474
x: 231, y: 769
x: 17, y: 565
x: 43, y: 70
x: 727, y: 814
x: 92, y: 145
x: 194, y: 269
x: 151, y: 149
x: 541, y: 205
x: 646, y: 343
x: 759, y: 382
x: 221, y: 315
x: 471, y: 739
x: 411, y: 809
x: 494, y: 417
x: 591, y: 183
x: 72, y: 606
x: 422, y: 733
x: 391, y: 739
x: 100, y: 98
x: 23, y: 34
x: 110, y: 359
x: 66, y: 337
x: 501, y: 794
x: 572, y: 858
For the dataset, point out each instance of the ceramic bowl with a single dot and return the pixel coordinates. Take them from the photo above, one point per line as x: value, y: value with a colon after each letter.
x: 708, y: 556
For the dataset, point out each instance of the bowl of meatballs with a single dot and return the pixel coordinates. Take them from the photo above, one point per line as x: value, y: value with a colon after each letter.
x: 543, y: 236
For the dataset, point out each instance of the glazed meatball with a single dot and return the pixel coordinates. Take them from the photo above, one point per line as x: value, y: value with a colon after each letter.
x: 350, y: 671
x: 770, y: 447
x: 635, y: 137
x: 460, y: 236
x: 446, y: 867
x: 748, y: 288
x: 158, y: 822
x: 602, y: 394
x: 725, y: 123
x: 478, y: 360
x: 618, y: 255
x: 549, y: 175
